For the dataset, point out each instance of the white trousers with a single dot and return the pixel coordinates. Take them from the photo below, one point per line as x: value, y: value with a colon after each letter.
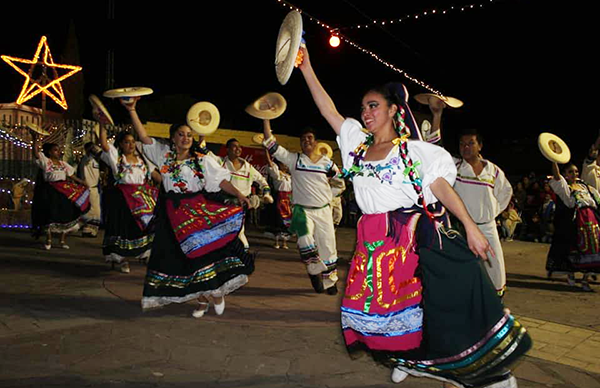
x: 318, y: 247
x: 495, y: 266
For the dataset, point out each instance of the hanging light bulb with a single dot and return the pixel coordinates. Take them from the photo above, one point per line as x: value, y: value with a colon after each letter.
x: 334, y: 41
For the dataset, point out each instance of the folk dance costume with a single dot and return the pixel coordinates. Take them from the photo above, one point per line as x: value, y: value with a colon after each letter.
x: 416, y: 296
x: 58, y: 204
x: 282, y: 183
x: 485, y: 196
x: 311, y: 213
x: 130, y: 206
x: 242, y: 179
x: 196, y: 250
x: 89, y: 171
x: 576, y: 240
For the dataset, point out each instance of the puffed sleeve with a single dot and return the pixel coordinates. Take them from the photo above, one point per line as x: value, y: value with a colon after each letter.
x: 273, y: 171
x: 156, y: 151
x: 69, y: 170
x: 562, y: 189
x: 111, y: 157
x: 433, y: 162
x: 214, y: 174
x: 351, y: 136
x: 42, y: 161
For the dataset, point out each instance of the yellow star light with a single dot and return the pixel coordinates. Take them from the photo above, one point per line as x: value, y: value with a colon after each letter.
x: 33, y: 87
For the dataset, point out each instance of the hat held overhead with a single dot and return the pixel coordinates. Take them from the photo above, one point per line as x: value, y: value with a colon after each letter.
x: 554, y: 148
x: 288, y: 46
x: 268, y: 106
x: 203, y: 117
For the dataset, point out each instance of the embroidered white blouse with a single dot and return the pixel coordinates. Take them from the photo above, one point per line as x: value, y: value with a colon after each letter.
x: 123, y: 171
x: 383, y: 186
x: 243, y: 178
x: 53, y: 172
x: 183, y: 176
x: 574, y: 196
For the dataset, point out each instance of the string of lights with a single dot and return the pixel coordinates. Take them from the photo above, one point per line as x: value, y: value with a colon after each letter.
x: 335, y: 32
x: 419, y: 15
x: 14, y: 140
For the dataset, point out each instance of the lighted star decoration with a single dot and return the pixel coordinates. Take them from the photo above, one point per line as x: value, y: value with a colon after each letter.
x: 33, y: 87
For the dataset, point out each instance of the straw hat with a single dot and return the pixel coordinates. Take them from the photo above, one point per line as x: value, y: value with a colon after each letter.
x: 135, y: 91
x: 203, y: 117
x: 288, y: 44
x: 452, y: 102
x: 324, y: 149
x: 37, y: 129
x: 268, y: 106
x: 100, y: 108
x: 554, y: 148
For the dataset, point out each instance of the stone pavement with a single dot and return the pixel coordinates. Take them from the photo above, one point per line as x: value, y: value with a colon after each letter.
x: 68, y: 321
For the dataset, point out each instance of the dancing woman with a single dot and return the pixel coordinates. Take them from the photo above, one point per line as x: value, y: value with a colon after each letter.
x: 576, y: 240
x: 282, y: 182
x: 416, y: 295
x: 196, y: 253
x: 60, y: 198
x: 130, y: 201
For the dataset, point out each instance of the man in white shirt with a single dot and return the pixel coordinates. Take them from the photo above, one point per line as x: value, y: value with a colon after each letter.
x: 486, y: 192
x: 89, y: 171
x: 243, y: 175
x: 312, y: 218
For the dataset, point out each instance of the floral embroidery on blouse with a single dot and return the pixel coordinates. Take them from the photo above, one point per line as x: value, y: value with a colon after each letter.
x: 172, y: 167
x: 123, y: 168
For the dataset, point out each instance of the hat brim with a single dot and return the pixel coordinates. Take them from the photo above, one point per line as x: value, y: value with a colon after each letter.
x: 37, y: 129
x: 135, y: 91
x: 288, y: 44
x: 97, y: 103
x: 325, y: 149
x: 452, y: 102
x: 203, y: 117
x: 267, y: 107
x: 554, y: 148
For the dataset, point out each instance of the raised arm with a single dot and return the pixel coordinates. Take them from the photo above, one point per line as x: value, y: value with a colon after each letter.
x: 35, y: 147
x: 320, y: 96
x: 135, y: 120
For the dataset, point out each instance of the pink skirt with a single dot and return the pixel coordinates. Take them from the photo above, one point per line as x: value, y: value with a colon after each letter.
x: 381, y: 306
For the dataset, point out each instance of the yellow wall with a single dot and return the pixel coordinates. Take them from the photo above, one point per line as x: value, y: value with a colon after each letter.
x: 220, y: 136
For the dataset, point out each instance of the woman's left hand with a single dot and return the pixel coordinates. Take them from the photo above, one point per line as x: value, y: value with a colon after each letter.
x: 478, y: 244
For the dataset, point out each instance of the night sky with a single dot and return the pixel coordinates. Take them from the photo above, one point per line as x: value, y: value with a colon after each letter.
x: 521, y: 67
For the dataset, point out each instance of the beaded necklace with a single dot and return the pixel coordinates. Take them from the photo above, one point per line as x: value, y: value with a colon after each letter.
x: 410, y: 171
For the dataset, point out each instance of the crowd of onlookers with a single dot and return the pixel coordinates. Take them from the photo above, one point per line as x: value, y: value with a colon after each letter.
x: 529, y: 215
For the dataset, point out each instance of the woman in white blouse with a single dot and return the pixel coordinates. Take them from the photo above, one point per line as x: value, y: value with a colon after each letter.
x: 576, y: 240
x: 196, y: 253
x: 416, y: 295
x: 60, y: 198
x: 129, y: 201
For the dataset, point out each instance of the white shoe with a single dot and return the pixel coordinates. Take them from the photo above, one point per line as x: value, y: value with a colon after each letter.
x: 47, y: 246
x: 125, y: 267
x: 398, y: 375
x: 220, y: 307
x: 199, y: 313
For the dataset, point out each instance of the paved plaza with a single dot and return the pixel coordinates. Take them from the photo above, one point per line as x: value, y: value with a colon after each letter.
x: 67, y: 320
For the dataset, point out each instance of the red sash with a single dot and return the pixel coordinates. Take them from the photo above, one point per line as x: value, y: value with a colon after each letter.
x: 76, y: 193
x: 141, y: 200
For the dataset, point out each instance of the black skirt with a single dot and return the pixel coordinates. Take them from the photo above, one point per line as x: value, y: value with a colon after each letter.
x: 52, y: 210
x: 172, y: 277
x: 122, y: 235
